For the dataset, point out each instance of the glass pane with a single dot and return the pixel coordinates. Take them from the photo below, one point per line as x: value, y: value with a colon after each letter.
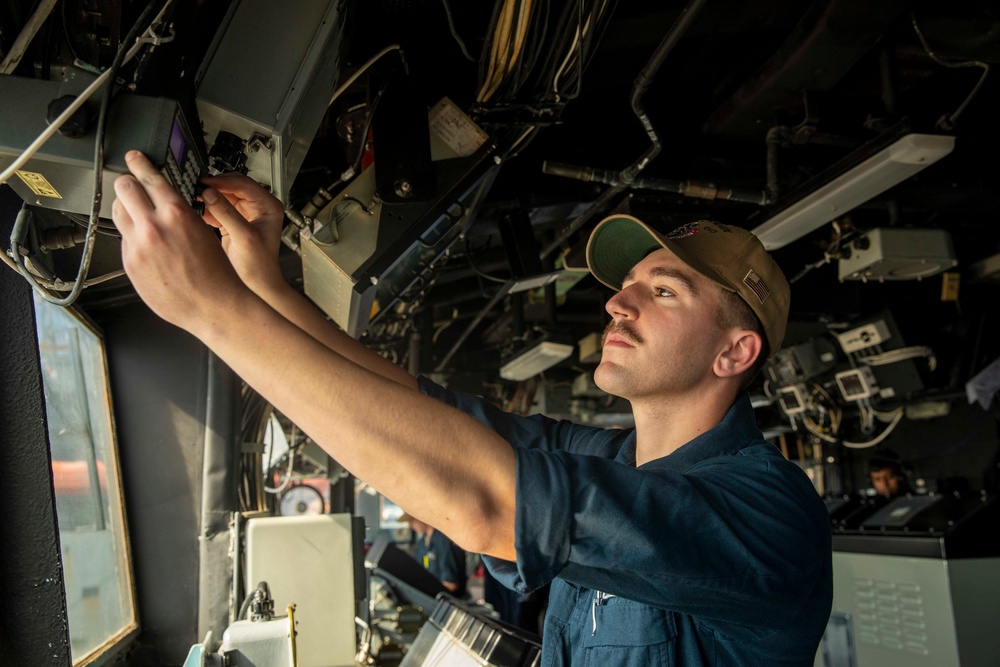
x: 85, y: 472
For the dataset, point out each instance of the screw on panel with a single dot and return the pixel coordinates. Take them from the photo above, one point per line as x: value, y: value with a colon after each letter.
x: 403, y: 188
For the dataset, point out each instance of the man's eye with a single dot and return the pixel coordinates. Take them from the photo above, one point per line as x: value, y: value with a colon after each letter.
x: 663, y: 291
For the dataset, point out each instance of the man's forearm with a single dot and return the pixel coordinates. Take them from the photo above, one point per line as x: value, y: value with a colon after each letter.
x: 295, y: 308
x: 436, y: 462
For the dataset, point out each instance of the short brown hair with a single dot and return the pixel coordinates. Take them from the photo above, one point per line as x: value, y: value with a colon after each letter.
x: 734, y: 312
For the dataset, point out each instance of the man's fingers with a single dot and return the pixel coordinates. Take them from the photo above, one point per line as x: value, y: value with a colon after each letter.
x: 242, y: 186
x: 131, y: 195
x: 221, y: 211
x: 243, y: 191
x: 120, y: 216
x: 156, y: 185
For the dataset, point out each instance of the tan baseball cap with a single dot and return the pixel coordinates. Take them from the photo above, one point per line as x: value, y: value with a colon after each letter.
x: 730, y: 256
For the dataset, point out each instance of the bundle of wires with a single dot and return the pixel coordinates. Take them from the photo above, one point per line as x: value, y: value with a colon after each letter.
x: 894, y: 356
x: 561, y: 75
x: 253, y: 425
x: 823, y: 419
x: 533, y: 42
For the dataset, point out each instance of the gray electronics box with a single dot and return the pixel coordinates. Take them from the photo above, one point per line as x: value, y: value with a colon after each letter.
x: 898, y: 254
x: 352, y: 229
x: 60, y: 175
x: 269, y: 78
x: 895, y: 611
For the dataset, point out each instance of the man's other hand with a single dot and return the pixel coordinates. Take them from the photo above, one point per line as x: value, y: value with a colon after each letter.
x: 250, y: 220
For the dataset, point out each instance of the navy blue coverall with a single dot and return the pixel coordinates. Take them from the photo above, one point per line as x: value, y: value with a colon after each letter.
x: 718, y: 554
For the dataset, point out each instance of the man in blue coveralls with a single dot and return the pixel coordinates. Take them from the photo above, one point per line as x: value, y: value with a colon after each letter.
x: 686, y: 541
x: 438, y: 555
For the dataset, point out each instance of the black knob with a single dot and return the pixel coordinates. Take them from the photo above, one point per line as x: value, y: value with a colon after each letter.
x: 77, y: 124
x: 228, y: 153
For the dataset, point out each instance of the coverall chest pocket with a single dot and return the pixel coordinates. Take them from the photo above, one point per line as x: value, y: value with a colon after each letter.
x: 624, y: 633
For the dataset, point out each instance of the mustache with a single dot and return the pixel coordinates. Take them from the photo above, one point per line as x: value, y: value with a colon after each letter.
x: 623, y: 330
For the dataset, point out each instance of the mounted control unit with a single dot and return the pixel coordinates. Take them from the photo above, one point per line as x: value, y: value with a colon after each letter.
x: 865, y: 336
x: 898, y: 254
x: 60, y: 175
x: 364, y: 253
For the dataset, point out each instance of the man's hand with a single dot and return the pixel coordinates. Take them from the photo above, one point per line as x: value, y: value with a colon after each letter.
x: 174, y: 261
x: 250, y: 220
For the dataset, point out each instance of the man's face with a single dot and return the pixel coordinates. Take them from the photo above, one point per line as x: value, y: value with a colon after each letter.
x: 885, y: 481
x: 663, y: 337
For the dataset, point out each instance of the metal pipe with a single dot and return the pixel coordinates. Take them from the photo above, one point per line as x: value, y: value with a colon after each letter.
x: 887, y: 76
x: 775, y: 136
x: 642, y: 83
x: 585, y: 174
x: 688, y: 188
x: 413, y: 354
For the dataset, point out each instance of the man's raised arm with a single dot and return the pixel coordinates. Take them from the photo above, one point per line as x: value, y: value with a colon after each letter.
x: 439, y: 464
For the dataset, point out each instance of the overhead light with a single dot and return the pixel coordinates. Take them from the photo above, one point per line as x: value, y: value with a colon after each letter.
x: 533, y: 282
x: 883, y: 170
x: 535, y: 359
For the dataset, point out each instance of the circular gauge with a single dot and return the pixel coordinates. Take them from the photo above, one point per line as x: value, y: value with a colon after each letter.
x: 301, y: 500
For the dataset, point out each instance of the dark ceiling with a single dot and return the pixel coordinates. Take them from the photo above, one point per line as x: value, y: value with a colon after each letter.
x: 837, y: 74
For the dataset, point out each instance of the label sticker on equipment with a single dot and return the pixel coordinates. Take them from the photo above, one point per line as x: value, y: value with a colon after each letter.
x: 38, y: 184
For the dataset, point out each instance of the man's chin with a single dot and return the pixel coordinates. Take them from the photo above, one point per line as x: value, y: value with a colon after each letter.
x: 609, y: 378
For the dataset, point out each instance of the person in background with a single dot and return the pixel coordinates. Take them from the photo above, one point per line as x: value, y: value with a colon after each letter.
x: 887, y: 476
x: 439, y: 555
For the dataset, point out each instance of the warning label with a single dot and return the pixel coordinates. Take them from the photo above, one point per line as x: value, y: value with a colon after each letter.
x: 38, y: 184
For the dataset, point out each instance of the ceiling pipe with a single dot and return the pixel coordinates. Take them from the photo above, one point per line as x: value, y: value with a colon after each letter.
x: 627, y: 175
x: 688, y: 188
x: 642, y: 83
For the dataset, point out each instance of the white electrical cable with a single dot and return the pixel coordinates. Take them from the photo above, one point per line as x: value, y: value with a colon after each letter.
x: 288, y: 475
x: 36, y: 145
x: 59, y: 285
x: 578, y: 37
x: 894, y: 356
x: 881, y: 436
x: 361, y: 70
x: 27, y: 34
x: 815, y: 431
x: 9, y: 262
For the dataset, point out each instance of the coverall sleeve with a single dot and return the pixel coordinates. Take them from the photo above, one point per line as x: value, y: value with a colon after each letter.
x: 733, y: 540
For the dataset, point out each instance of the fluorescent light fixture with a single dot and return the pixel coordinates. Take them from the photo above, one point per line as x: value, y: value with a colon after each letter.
x: 890, y: 166
x: 534, y: 360
x: 533, y: 282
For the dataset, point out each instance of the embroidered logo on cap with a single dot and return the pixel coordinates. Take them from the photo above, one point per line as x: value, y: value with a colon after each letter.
x: 756, y: 285
x: 684, y: 231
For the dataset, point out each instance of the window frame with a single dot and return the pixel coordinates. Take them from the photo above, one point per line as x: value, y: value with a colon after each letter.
x: 115, y: 645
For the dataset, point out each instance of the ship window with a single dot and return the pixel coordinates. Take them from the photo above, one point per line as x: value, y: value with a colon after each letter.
x: 96, y: 568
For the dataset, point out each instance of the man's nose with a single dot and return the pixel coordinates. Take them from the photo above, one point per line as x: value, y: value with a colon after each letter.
x: 622, y: 305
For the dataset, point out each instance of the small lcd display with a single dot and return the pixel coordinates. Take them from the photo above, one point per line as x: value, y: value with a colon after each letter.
x: 853, y: 386
x: 790, y: 401
x: 177, y: 143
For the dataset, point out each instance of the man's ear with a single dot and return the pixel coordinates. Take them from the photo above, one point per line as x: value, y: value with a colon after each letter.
x: 741, y: 353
